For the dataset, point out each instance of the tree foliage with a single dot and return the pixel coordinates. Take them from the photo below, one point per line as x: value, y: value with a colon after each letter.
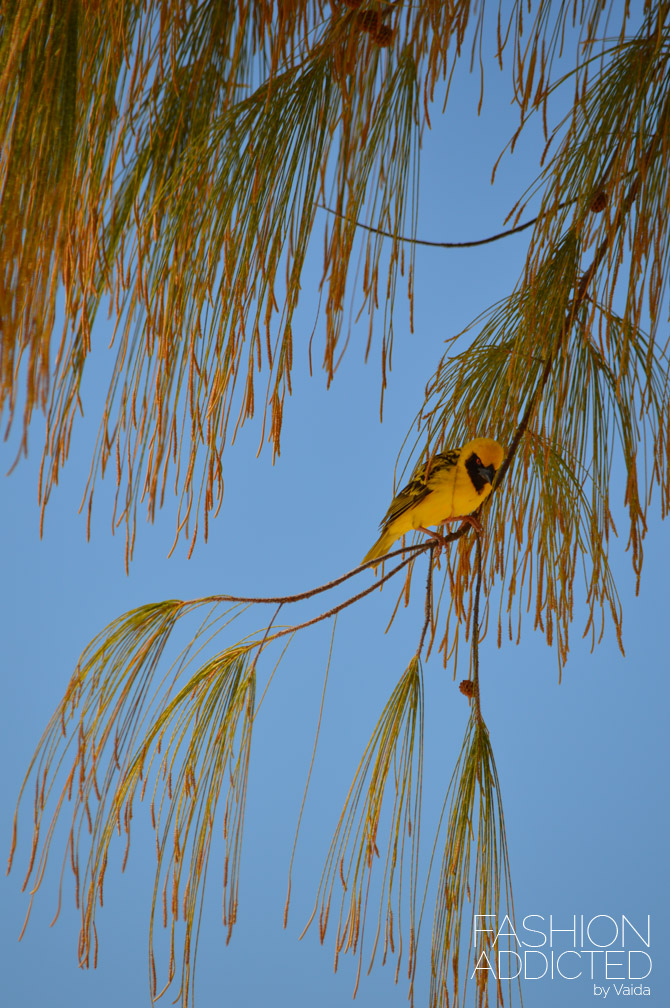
x: 180, y: 155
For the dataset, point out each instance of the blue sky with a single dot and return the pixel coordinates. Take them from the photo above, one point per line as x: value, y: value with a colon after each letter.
x: 581, y: 764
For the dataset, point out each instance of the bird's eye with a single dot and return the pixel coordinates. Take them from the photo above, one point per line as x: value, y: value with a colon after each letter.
x: 478, y: 461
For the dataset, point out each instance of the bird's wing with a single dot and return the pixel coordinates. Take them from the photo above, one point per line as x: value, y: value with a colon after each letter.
x: 419, y: 486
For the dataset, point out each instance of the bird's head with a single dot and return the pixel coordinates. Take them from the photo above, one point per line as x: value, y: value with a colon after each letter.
x: 482, y: 459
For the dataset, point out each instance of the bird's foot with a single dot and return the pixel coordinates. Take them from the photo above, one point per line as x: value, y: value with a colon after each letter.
x: 436, y: 537
x: 467, y: 520
x: 471, y: 520
x: 440, y: 540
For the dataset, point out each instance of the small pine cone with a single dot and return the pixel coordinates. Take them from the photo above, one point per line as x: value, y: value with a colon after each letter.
x: 384, y: 35
x: 467, y: 688
x: 369, y: 21
x: 599, y: 202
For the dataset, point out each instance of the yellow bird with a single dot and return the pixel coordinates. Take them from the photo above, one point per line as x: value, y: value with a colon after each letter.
x: 454, y: 486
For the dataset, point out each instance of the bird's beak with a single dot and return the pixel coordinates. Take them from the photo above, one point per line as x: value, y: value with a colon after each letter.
x: 487, y: 473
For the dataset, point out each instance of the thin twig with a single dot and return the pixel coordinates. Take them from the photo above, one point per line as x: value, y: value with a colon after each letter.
x: 309, y: 774
x: 436, y: 244
x: 347, y: 602
x: 475, y: 632
x: 287, y: 599
x: 429, y: 598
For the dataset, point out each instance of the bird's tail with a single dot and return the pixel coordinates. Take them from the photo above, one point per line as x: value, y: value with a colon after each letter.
x: 382, y: 546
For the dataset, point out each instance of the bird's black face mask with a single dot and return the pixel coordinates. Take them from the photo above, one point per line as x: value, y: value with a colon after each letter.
x: 479, y: 473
